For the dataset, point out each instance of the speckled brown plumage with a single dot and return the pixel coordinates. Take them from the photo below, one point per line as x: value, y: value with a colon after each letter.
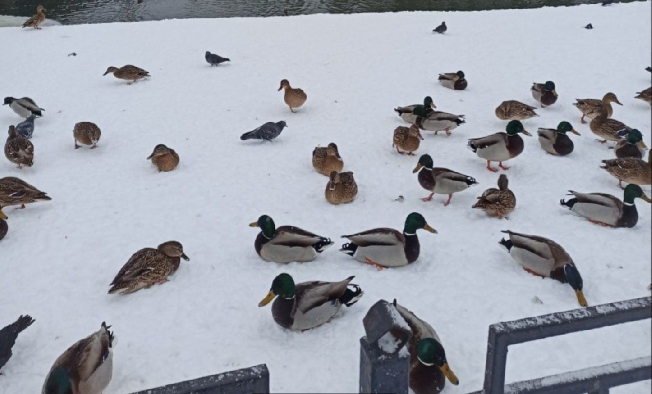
x: 630, y: 170
x: 605, y: 128
x: 128, y: 73
x: 18, y: 149
x: 645, y: 95
x: 497, y: 202
x: 86, y: 133
x: 341, y: 188
x: 294, y: 98
x: 36, y: 20
x: 14, y: 191
x: 408, y: 139
x: 164, y: 158
x: 326, y: 160
x: 515, y: 110
x: 590, y: 108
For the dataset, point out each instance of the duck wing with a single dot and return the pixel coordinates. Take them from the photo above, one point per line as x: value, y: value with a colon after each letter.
x: 294, y: 236
x: 420, y: 329
x: 95, y: 351
x: 316, y: 293
x: 490, y: 140
x: 542, y: 247
x: 378, y: 236
x: 140, y: 263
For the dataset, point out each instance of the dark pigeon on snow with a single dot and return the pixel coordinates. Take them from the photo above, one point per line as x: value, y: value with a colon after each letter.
x: 214, y: 59
x: 649, y: 69
x: 441, y: 29
x: 266, y: 132
x: 26, y: 127
x: 8, y: 337
x: 589, y: 26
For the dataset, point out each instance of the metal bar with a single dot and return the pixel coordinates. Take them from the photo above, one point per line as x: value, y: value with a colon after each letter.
x: 494, y: 379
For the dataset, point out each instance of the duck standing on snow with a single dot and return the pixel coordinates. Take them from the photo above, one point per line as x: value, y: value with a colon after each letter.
x: 294, y: 98
x: 590, y: 108
x: 544, y: 93
x: 645, y: 95
x: 24, y: 107
x: 515, y: 110
x: 605, y: 209
x: 630, y: 146
x: 308, y: 305
x: 85, y: 368
x: 439, y: 180
x: 14, y: 191
x: 455, y: 81
x: 607, y: 129
x: 441, y: 29
x: 630, y: 170
x: 266, y: 132
x: 407, y: 113
x: 148, y: 267
x: 326, y: 160
x: 546, y: 258
x: 428, y: 364
x: 9, y: 333
x: 86, y: 133
x: 407, y: 138
x: 215, y: 60
x: 341, y: 188
x: 555, y: 141
x: 128, y: 73
x: 500, y: 146
x: 386, y: 247
x: 164, y: 158
x: 26, y: 127
x: 36, y: 20
x: 18, y: 149
x: 286, y: 244
x: 497, y: 202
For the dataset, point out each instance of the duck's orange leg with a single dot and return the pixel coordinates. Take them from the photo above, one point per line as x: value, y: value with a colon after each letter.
x: 428, y: 198
x: 371, y: 262
x: 450, y: 196
x: 490, y: 168
x: 533, y: 273
x: 500, y: 164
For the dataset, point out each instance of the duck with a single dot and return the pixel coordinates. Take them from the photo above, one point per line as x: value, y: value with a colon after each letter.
x: 607, y: 210
x: 645, y: 95
x: 9, y: 333
x: 294, y: 98
x: 341, y: 188
x: 497, y: 202
x: 439, y: 180
x: 286, y: 244
x: 544, y: 257
x: 556, y: 141
x: 590, y: 108
x: 386, y: 247
x: 428, y: 369
x: 86, y: 133
x: 515, y: 110
x: 500, y: 146
x: 630, y: 146
x: 307, y: 305
x: 23, y: 107
x: 407, y: 113
x: 26, y: 127
x: 455, y: 81
x: 128, y: 73
x: 164, y: 158
x: 437, y: 120
x: 36, y: 20
x: 407, y: 138
x: 18, y: 149
x: 85, y: 368
x: 148, y: 267
x: 630, y: 170
x: 14, y: 191
x: 327, y: 159
x: 544, y: 93
x: 607, y: 129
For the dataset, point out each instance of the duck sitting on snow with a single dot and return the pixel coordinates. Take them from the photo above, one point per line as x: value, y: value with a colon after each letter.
x: 24, y: 107
x: 128, y: 73
x: 455, y: 81
x: 497, y: 202
x: 407, y: 113
x: 18, y: 149
x: 590, y: 108
x: 14, y: 191
x: 500, y: 146
x: 544, y: 93
x: 630, y: 146
x: 515, y: 110
x: 308, y: 305
x: 326, y: 160
x: 439, y: 180
x: 86, y: 133
x: 164, y: 158
x: 341, y: 188
x: 36, y: 20
x: 555, y: 141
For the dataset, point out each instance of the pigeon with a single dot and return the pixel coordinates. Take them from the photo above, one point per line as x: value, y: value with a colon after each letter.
x: 215, y: 60
x: 649, y: 69
x: 8, y: 337
x: 441, y: 29
x: 266, y: 132
x: 24, y: 107
x: 607, y: 2
x: 589, y: 26
x: 26, y: 127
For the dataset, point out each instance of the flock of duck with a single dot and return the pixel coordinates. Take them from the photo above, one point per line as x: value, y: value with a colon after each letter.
x: 86, y: 367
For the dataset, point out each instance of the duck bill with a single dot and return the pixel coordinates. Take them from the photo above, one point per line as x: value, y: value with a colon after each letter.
x: 281, y: 87
x: 3, y: 216
x: 268, y: 298
x: 183, y: 256
x: 417, y: 168
x: 581, y: 299
x: 449, y: 374
x: 432, y: 105
x: 554, y: 92
x: 642, y: 144
x: 456, y: 78
x: 430, y: 229
x: 643, y: 197
x: 618, y: 102
x: 575, y: 132
x: 526, y: 133
x: 150, y: 156
x: 254, y: 224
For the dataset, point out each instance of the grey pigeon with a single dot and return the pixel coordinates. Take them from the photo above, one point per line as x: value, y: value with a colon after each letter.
x: 24, y: 107
x: 649, y: 69
x: 441, y: 29
x: 214, y: 59
x: 266, y: 132
x: 8, y: 337
x: 589, y: 26
x: 26, y: 127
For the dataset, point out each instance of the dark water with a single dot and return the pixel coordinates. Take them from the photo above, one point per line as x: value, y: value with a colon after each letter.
x: 98, y: 11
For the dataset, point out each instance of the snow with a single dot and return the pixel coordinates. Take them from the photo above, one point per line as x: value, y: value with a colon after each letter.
x: 388, y: 343
x: 59, y: 256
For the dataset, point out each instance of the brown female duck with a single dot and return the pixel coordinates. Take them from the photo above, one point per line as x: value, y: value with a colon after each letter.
x: 497, y: 202
x: 515, y: 110
x: 591, y: 107
x: 86, y: 133
x: 630, y: 170
x: 407, y: 138
x: 341, y: 188
x: 326, y: 160
x: 18, y: 149
x: 36, y: 20
x: 645, y: 95
x: 128, y: 73
x: 164, y: 158
x: 14, y: 191
x: 438, y: 180
x: 294, y: 98
x: 607, y: 129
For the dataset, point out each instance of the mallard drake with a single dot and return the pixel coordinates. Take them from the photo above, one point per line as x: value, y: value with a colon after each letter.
x: 607, y: 129
x: 515, y: 110
x: 326, y: 160
x: 308, y: 305
x: 546, y: 258
x: 437, y: 121
x: 14, y: 191
x: 428, y: 364
x: 36, y: 19
x: 591, y: 107
x: 86, y: 133
x: 286, y: 244
x: 645, y: 95
x: 630, y: 146
x: 605, y: 209
x: 407, y: 113
x: 455, y: 81
x: 23, y: 107
x: 148, y: 267
x: 128, y: 73
x: 555, y: 141
x: 18, y: 149
x: 8, y: 334
x: 85, y: 368
x: 544, y: 93
x: 407, y: 138
x: 439, y: 180
x: 497, y: 202
x: 500, y: 146
x: 630, y: 170
x: 164, y: 158
x: 341, y: 188
x: 294, y: 98
x: 26, y: 127
x: 386, y: 247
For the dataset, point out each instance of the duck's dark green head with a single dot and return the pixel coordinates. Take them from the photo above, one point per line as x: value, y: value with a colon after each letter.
x: 58, y: 382
x: 430, y: 352
x: 266, y: 224
x: 428, y: 103
x: 514, y: 127
x: 459, y: 75
x: 575, y: 281
x: 565, y: 127
x: 416, y: 222
x: 282, y: 286
x: 635, y: 137
x: 549, y: 86
x: 633, y: 191
x: 425, y: 161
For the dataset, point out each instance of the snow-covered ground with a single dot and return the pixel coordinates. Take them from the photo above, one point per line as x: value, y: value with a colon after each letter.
x: 59, y: 256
